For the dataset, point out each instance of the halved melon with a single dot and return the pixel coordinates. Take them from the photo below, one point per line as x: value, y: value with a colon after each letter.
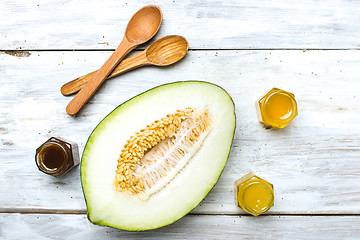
x: 155, y: 157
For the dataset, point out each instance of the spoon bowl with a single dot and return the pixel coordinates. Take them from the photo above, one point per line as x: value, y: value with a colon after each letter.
x: 139, y: 31
x: 167, y: 50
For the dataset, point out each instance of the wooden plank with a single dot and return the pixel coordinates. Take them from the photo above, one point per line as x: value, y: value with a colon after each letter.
x: 313, y: 163
x: 40, y: 226
x: 233, y: 24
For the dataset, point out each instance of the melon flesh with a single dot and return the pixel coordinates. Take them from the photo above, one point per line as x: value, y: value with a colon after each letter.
x: 187, y: 188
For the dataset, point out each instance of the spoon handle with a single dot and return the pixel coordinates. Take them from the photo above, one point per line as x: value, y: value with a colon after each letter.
x: 125, y: 65
x: 94, y: 83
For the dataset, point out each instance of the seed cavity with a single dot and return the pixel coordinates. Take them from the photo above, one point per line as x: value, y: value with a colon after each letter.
x: 155, y: 155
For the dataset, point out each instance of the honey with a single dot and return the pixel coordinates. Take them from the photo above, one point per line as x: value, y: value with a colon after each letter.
x: 57, y: 156
x: 253, y: 194
x: 52, y: 156
x: 277, y: 108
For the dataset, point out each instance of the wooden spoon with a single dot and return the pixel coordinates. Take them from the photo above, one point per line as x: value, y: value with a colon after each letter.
x: 143, y: 25
x: 164, y: 51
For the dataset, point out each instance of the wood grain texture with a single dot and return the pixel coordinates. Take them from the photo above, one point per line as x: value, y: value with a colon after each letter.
x: 99, y: 77
x: 313, y: 163
x: 55, y: 226
x: 125, y: 65
x: 163, y: 52
x: 232, y: 24
x: 142, y: 26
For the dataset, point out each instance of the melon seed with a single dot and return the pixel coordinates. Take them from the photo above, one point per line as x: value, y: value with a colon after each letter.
x: 153, y: 156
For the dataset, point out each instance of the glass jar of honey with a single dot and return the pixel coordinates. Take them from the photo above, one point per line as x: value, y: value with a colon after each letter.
x: 277, y: 108
x: 253, y: 194
x: 57, y: 156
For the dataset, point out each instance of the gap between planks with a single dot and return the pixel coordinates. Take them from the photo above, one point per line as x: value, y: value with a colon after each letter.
x: 82, y: 212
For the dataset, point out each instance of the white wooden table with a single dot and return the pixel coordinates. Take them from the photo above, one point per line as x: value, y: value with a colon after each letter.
x: 310, y: 48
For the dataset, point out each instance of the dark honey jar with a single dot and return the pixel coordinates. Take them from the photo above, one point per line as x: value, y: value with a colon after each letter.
x: 57, y: 156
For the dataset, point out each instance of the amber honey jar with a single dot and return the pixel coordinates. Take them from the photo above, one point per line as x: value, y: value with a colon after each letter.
x: 277, y: 108
x: 253, y: 194
x: 57, y: 156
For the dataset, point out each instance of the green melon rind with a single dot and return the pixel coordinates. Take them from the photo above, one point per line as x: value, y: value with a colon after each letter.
x: 128, y: 104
